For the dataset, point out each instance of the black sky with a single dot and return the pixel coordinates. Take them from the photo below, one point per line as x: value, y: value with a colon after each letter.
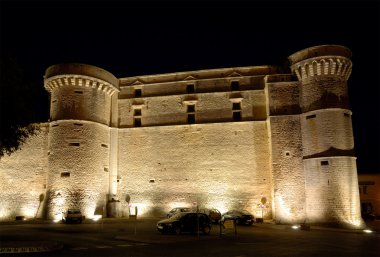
x: 138, y: 38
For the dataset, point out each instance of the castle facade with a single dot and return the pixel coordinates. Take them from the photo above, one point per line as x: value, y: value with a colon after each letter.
x: 278, y: 144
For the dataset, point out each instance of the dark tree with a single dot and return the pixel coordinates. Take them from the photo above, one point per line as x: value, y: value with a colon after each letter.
x: 17, y: 106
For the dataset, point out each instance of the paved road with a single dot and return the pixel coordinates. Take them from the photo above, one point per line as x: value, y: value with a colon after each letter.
x: 120, y: 237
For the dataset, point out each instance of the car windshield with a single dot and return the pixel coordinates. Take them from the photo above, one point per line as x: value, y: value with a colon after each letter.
x: 73, y: 212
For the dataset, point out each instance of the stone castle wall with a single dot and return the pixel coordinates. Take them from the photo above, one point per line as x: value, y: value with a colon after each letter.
x: 23, y: 178
x: 78, y: 174
x: 224, y: 138
x: 221, y: 165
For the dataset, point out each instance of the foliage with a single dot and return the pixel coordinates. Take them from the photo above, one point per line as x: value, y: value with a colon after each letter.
x: 17, y: 106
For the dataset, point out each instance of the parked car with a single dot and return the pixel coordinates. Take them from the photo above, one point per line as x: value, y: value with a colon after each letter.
x: 177, y: 210
x: 241, y: 217
x: 185, y: 222
x: 73, y: 215
x: 212, y: 213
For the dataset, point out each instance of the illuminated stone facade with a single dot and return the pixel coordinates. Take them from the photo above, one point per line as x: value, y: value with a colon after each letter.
x: 224, y: 138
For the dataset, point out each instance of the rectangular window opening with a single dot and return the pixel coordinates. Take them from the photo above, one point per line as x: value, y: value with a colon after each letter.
x: 311, y: 116
x: 138, y: 92
x: 78, y: 92
x: 191, y: 108
x: 191, y: 118
x: 65, y: 174
x: 74, y: 144
x: 137, y: 122
x: 55, y: 125
x: 104, y: 145
x: 236, y: 106
x: 137, y: 112
x: 190, y: 88
x: 234, y: 85
x: 78, y: 124
x: 237, y: 116
x: 324, y: 163
x: 105, y: 169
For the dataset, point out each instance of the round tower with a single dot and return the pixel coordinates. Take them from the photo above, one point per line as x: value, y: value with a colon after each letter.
x: 79, y: 138
x: 331, y: 183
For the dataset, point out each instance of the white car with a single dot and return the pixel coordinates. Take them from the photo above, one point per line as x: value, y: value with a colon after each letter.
x: 73, y: 215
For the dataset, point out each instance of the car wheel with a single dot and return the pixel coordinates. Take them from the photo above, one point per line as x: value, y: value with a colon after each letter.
x: 177, y: 230
x: 206, y: 230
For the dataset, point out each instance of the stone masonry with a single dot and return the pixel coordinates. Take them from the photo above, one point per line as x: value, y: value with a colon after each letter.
x: 231, y: 138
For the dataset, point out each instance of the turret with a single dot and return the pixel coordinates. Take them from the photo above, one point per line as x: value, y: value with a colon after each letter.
x: 331, y: 184
x: 82, y: 98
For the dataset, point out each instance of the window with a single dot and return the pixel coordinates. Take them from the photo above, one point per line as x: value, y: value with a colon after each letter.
x: 74, y: 144
x: 78, y: 124
x: 191, y: 108
x: 65, y: 174
x: 137, y: 122
x: 78, y: 92
x: 236, y: 111
x: 191, y: 118
x: 234, y: 85
x: 138, y: 92
x: 190, y: 88
x: 104, y: 145
x: 237, y: 116
x: 311, y: 116
x: 236, y: 106
x: 137, y: 112
x: 105, y: 169
x: 324, y: 163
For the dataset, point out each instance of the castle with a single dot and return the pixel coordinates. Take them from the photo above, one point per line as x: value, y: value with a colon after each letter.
x: 276, y: 143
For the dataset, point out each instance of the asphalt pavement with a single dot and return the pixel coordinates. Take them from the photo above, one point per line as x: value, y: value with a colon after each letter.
x: 15, y: 246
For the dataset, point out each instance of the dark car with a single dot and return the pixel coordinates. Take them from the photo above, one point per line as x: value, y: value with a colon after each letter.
x: 213, y: 214
x: 185, y: 222
x: 241, y: 217
x: 177, y: 210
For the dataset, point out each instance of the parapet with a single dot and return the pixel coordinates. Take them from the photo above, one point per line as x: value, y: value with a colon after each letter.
x: 322, y: 50
x: 70, y: 69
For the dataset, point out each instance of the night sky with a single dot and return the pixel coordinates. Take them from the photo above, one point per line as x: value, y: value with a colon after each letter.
x: 141, y: 38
